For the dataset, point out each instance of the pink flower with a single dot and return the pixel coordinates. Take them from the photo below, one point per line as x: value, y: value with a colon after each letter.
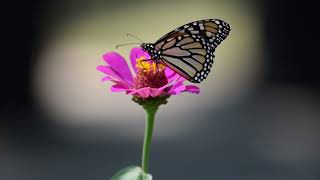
x: 149, y: 80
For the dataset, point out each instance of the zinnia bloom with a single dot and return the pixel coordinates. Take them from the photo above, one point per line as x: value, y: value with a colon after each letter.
x: 151, y: 85
x: 151, y: 80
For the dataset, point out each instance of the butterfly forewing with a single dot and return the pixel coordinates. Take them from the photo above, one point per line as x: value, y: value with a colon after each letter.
x: 213, y: 30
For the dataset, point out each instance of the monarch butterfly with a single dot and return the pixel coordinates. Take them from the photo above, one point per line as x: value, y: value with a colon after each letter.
x: 188, y: 50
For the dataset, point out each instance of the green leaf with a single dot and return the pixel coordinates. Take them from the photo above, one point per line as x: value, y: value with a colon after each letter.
x: 131, y: 173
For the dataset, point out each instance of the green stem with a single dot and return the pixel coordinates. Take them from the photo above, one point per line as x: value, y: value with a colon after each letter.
x: 150, y: 112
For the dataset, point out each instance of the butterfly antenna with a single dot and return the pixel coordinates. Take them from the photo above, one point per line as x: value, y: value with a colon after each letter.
x: 125, y: 44
x: 135, y: 37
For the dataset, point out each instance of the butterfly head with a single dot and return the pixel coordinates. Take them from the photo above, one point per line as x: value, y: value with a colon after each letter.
x: 150, y: 49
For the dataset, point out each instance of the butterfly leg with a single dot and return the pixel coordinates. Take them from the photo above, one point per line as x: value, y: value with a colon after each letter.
x: 157, y: 70
x: 147, y: 60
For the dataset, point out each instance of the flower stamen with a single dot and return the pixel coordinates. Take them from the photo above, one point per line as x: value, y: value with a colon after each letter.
x: 150, y: 73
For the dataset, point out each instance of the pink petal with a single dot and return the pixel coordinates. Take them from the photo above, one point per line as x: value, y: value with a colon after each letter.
x: 142, y: 92
x: 119, y: 83
x: 159, y: 91
x: 119, y: 64
x: 192, y: 89
x: 169, y: 72
x: 109, y: 71
x: 118, y: 88
x: 178, y: 91
x: 154, y: 92
x: 113, y: 75
x: 137, y: 53
x: 177, y: 88
x: 171, y: 75
x: 106, y: 78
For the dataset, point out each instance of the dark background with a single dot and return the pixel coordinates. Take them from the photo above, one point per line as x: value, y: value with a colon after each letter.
x: 291, y: 50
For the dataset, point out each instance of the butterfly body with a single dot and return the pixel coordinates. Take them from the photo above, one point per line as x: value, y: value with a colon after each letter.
x: 154, y: 53
x: 188, y: 50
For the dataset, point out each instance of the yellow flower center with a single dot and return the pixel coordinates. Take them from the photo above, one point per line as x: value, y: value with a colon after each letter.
x: 149, y: 66
x: 150, y: 73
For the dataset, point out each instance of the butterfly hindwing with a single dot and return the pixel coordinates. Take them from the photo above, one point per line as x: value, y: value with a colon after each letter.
x: 190, y: 56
